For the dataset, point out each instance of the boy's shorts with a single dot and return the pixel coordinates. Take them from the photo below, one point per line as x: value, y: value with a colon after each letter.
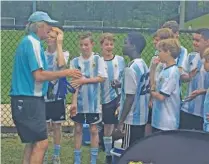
x: 133, y: 133
x: 87, y: 118
x: 190, y: 121
x: 108, y: 111
x: 28, y: 114
x: 55, y: 111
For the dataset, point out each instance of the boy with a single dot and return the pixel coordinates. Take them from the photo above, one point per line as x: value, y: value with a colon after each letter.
x: 204, y: 91
x: 55, y: 103
x: 174, y: 26
x: 197, y: 78
x: 110, y: 96
x: 88, y: 95
x: 166, y: 96
x: 135, y: 91
x: 155, y: 68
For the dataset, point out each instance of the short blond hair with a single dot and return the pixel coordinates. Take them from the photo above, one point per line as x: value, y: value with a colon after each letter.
x: 164, y: 33
x: 85, y: 36
x: 171, y: 45
x: 107, y: 36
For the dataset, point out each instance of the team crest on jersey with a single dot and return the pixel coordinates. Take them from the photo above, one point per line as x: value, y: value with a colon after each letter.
x: 116, y: 65
x: 161, y: 80
x: 94, y: 65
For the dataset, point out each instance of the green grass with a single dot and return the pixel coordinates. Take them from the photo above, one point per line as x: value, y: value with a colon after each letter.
x: 10, y: 40
x: 12, y: 150
x: 200, y: 22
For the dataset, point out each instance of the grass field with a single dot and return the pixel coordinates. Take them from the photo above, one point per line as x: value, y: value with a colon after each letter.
x: 12, y: 149
x: 200, y: 22
x: 10, y: 40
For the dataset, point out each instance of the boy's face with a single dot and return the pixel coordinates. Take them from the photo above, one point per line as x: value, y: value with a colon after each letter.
x: 52, y: 37
x: 156, y: 39
x: 86, y: 46
x: 197, y: 42
x: 206, y: 64
x: 128, y: 48
x: 107, y: 47
x: 162, y: 55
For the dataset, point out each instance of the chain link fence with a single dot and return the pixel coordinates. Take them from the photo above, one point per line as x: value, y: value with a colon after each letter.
x: 10, y: 39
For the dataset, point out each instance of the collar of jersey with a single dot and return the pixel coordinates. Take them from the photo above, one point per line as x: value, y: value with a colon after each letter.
x: 35, y: 36
x: 82, y: 58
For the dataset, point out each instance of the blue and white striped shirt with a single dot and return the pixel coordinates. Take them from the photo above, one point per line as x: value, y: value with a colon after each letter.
x: 136, y: 81
x: 28, y: 58
x: 114, y: 68
x: 166, y: 113
x: 206, y: 111
x: 88, y: 100
x: 200, y: 81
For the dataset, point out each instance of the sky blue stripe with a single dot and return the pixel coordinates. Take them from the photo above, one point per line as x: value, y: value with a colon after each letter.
x: 96, y: 60
x: 110, y: 72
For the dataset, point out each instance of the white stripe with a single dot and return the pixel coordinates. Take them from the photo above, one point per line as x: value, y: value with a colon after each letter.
x: 37, y: 50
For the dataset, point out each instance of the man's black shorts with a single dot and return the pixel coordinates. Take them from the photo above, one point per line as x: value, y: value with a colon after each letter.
x: 55, y: 111
x: 108, y: 111
x: 87, y: 118
x: 28, y: 114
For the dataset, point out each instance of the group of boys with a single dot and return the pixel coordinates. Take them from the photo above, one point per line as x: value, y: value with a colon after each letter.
x: 133, y: 89
x: 131, y: 100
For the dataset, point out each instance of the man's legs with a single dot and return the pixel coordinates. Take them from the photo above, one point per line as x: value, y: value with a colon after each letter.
x: 38, y: 151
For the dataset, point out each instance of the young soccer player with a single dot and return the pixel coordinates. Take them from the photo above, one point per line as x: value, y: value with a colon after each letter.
x: 110, y: 95
x: 88, y: 96
x: 135, y: 91
x: 55, y: 104
x: 155, y: 68
x: 198, y: 92
x: 197, y: 77
x: 166, y: 96
x: 174, y: 26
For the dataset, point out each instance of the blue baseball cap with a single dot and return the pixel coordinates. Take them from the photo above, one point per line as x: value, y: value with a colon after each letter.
x: 39, y: 16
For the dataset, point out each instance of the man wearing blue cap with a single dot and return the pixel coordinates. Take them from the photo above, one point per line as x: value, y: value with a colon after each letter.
x: 29, y: 86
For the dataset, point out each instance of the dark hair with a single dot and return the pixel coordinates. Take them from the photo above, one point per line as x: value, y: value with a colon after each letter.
x: 204, y: 32
x: 138, y: 40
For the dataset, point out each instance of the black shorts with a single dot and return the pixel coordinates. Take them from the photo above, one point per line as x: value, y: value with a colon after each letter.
x: 133, y: 133
x: 87, y: 118
x: 190, y: 121
x: 28, y: 114
x: 55, y: 111
x: 108, y: 111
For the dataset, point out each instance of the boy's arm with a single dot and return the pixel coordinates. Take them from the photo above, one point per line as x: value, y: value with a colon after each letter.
x: 158, y: 96
x: 130, y: 86
x: 73, y: 107
x: 196, y: 93
x: 169, y: 84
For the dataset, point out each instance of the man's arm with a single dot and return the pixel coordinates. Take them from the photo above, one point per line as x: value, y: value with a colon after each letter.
x: 41, y: 75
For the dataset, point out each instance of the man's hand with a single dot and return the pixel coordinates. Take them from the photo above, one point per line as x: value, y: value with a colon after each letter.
x: 74, y: 73
x: 73, y: 110
x: 115, y: 84
x: 76, y: 83
x: 150, y: 104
